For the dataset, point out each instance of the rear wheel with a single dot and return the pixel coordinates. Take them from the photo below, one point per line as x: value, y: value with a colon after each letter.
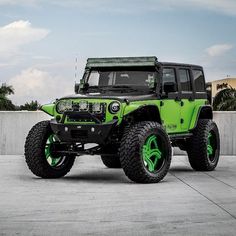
x: 204, y: 146
x: 39, y: 155
x: 111, y: 161
x: 145, y: 152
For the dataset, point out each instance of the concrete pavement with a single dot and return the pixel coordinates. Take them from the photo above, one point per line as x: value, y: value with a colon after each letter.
x: 94, y: 200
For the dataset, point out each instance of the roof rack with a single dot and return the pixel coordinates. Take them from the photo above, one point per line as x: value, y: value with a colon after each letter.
x: 121, y: 62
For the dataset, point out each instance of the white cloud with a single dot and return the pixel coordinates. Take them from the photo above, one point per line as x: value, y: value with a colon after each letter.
x: 17, y: 34
x: 218, y: 49
x: 35, y: 84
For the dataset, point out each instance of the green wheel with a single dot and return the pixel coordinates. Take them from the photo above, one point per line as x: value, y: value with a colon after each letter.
x: 204, y: 146
x: 152, y: 155
x: 145, y: 152
x: 53, y: 161
x: 39, y: 154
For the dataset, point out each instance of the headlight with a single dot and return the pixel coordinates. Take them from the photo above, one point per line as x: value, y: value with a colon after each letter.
x: 83, y: 106
x: 64, y: 105
x: 114, y: 107
x: 97, y: 108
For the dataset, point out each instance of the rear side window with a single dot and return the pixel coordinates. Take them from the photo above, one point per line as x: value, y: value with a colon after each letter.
x: 199, y: 80
x: 185, y: 81
x: 168, y: 75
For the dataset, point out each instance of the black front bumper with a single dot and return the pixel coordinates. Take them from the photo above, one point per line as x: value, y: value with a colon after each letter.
x: 83, y: 133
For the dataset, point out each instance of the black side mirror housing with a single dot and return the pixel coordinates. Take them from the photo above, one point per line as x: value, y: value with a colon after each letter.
x: 170, y: 87
x: 77, y: 85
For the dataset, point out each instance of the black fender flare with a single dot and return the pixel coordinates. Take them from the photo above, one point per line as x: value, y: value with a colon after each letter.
x: 204, y: 112
x: 145, y: 113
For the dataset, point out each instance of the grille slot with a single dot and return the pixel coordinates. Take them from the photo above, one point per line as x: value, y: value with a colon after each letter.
x: 79, y: 133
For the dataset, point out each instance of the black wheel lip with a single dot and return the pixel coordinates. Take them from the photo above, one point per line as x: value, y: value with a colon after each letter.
x: 197, y: 146
x: 216, y: 137
x: 130, y: 148
x: 35, y: 153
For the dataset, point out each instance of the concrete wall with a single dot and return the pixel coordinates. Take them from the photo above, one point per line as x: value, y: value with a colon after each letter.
x: 226, y: 122
x: 14, y: 127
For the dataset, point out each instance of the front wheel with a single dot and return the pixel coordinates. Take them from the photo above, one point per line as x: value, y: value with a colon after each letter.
x: 204, y: 146
x: 39, y: 153
x: 145, y: 152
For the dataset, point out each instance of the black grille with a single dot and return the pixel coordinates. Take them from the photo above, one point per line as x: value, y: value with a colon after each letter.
x: 79, y: 133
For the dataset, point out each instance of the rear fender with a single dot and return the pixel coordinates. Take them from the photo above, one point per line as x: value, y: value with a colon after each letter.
x: 201, y: 112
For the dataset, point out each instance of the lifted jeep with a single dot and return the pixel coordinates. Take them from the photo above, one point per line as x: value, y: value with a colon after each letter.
x: 132, y: 110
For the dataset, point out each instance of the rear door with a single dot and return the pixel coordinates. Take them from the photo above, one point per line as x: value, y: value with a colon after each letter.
x: 187, y: 97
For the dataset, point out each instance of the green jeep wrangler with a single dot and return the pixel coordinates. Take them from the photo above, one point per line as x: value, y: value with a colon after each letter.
x: 131, y: 111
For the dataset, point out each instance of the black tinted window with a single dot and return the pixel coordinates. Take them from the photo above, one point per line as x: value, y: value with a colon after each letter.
x: 168, y: 75
x: 185, y: 82
x: 199, y: 80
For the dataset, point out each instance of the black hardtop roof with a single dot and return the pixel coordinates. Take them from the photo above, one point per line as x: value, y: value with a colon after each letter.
x: 179, y: 64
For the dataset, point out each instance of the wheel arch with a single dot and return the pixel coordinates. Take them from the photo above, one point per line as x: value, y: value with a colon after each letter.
x: 201, y: 112
x: 145, y: 113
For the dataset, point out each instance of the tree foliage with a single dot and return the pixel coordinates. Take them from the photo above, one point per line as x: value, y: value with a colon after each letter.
x: 225, y: 100
x: 32, y: 106
x: 5, y: 103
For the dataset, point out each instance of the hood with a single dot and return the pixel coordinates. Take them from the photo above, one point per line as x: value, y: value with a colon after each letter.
x: 129, y: 97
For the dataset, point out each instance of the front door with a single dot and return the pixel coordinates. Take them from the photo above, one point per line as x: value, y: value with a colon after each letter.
x: 170, y: 104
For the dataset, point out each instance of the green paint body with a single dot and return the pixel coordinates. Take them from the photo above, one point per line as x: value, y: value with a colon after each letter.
x: 176, y: 117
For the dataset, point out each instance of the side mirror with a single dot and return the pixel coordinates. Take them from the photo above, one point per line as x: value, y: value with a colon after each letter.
x: 170, y: 87
x: 77, y: 85
x: 81, y: 86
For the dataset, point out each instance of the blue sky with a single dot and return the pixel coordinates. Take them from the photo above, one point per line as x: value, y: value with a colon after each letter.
x: 39, y: 39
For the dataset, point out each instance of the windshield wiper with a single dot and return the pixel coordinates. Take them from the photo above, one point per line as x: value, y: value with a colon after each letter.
x: 95, y: 88
x: 119, y: 88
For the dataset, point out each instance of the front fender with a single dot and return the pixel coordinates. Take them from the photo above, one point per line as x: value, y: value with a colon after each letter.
x: 48, y: 108
x: 130, y: 108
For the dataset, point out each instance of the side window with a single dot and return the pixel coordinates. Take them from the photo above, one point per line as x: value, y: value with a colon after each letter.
x: 168, y: 75
x: 198, y: 78
x: 185, y: 81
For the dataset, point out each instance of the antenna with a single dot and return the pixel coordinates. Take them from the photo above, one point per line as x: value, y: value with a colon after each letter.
x: 76, y: 68
x: 76, y: 87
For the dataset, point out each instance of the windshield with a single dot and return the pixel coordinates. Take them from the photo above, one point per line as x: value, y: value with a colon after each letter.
x: 122, y: 79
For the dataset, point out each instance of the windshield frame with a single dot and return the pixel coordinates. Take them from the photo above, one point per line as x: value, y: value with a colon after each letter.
x: 137, y: 87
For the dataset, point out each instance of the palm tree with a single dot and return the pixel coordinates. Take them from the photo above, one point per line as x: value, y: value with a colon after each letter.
x: 32, y: 106
x: 5, y: 103
x: 6, y: 90
x: 225, y: 100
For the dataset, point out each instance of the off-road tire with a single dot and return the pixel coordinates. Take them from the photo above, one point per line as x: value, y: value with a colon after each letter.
x: 111, y: 161
x: 35, y: 153
x: 197, y: 146
x: 131, y: 152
